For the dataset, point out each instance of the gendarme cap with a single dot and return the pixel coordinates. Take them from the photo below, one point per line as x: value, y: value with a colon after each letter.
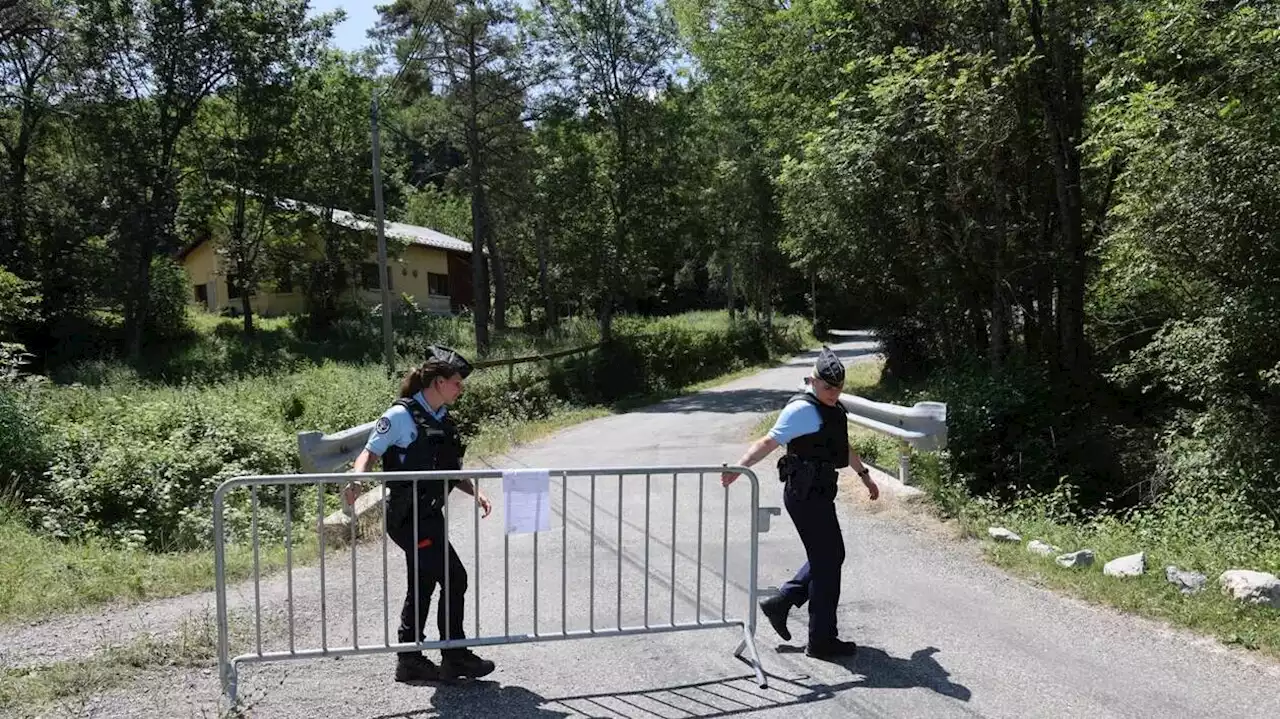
x: 828, y: 367
x: 451, y: 357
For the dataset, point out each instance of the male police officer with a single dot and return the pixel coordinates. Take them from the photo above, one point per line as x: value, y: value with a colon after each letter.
x: 814, y: 429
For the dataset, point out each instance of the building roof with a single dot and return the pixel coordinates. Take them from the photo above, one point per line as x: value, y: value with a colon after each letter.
x: 413, y: 234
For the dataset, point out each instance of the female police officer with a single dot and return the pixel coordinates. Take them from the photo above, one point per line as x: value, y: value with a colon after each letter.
x: 417, y: 434
x: 816, y: 433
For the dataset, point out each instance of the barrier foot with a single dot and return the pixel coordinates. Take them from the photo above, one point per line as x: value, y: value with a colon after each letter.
x: 230, y: 678
x: 749, y: 642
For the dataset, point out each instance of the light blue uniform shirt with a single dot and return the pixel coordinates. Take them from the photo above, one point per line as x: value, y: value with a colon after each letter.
x: 396, y: 428
x: 797, y: 419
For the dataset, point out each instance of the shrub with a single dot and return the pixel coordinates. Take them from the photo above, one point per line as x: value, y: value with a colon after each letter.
x: 649, y: 356
x: 169, y: 299
x: 22, y: 441
x: 138, y: 463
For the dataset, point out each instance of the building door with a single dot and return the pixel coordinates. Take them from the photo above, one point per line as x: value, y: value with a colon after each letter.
x: 461, y: 294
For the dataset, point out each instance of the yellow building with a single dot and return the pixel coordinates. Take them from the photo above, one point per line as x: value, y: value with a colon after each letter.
x: 434, y: 268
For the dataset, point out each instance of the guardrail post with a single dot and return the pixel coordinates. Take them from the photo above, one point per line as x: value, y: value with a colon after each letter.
x: 904, y: 463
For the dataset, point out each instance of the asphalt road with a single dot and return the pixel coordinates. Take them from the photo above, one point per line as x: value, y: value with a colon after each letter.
x: 941, y: 633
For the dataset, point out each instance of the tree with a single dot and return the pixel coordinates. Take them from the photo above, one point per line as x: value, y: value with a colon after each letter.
x: 36, y: 57
x: 155, y: 63
x: 615, y: 55
x: 333, y: 144
x: 249, y: 163
x: 464, y: 64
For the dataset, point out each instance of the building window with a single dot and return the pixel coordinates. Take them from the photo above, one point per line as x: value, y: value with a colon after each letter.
x: 437, y: 284
x: 202, y: 295
x: 369, y: 276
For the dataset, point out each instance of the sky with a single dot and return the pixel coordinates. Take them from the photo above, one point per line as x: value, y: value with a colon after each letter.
x: 361, y: 15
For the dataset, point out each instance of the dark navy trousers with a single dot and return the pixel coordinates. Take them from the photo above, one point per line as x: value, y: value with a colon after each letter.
x: 818, y: 581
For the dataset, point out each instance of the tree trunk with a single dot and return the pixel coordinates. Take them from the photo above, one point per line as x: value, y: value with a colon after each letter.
x: 995, y: 348
x: 479, y: 240
x: 479, y: 205
x: 243, y: 261
x: 544, y: 282
x: 1062, y: 99
x: 137, y: 306
x: 499, y: 283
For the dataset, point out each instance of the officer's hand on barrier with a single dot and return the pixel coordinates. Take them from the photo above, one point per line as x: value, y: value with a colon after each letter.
x: 351, y: 492
x: 728, y: 478
x: 484, y: 503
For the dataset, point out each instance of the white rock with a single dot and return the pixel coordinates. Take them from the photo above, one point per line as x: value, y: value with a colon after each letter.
x: 1131, y: 566
x: 1082, y: 558
x: 1186, y: 582
x: 1000, y: 534
x: 1252, y: 587
x: 1044, y: 550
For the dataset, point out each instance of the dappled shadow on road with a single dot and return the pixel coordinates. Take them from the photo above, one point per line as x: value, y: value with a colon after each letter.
x: 872, y: 668
x: 881, y: 670
x: 726, y: 402
x: 481, y: 699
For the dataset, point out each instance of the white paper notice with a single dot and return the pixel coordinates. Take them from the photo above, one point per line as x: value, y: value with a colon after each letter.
x: 528, y: 500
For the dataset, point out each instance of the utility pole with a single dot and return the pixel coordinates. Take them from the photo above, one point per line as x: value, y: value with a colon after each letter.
x: 384, y: 274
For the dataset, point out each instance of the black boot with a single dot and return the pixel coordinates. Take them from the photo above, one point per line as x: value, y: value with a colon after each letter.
x: 457, y: 663
x: 775, y: 609
x: 830, y: 649
x: 413, y: 668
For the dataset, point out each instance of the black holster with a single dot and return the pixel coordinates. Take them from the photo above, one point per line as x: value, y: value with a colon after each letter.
x: 804, y: 477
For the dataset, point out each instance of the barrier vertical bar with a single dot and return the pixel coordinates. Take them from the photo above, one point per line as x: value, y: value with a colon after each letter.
x: 324, y: 623
x: 355, y: 606
x: 564, y: 553
x: 386, y: 599
x: 698, y: 591
x: 475, y: 487
x: 506, y: 583
x: 257, y: 591
x: 288, y: 557
x: 447, y: 564
x: 535, y: 581
x: 619, y: 551
x: 225, y: 670
x: 415, y: 582
x: 647, y: 478
x: 724, y: 562
x: 675, y: 493
x: 591, y: 581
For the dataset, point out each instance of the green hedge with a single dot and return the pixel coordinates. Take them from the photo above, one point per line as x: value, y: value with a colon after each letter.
x: 137, y: 463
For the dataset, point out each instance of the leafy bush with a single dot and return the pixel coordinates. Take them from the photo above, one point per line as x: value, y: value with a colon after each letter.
x: 170, y: 286
x: 22, y: 440
x: 138, y: 463
x: 655, y: 355
x: 19, y: 303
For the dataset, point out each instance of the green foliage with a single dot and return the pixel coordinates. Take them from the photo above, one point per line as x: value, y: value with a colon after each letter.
x: 19, y: 303
x: 170, y: 291
x: 670, y: 353
x: 136, y: 464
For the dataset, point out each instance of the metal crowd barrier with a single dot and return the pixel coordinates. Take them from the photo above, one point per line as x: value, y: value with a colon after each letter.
x: 627, y: 511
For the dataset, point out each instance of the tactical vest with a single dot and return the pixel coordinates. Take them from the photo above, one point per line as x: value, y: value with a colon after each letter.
x: 438, y: 446
x: 830, y: 444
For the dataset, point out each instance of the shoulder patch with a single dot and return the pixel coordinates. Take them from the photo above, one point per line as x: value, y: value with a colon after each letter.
x: 383, y: 425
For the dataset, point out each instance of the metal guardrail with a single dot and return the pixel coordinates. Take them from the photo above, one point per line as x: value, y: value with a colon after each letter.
x: 922, y: 426
x: 627, y: 478
x: 320, y: 452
